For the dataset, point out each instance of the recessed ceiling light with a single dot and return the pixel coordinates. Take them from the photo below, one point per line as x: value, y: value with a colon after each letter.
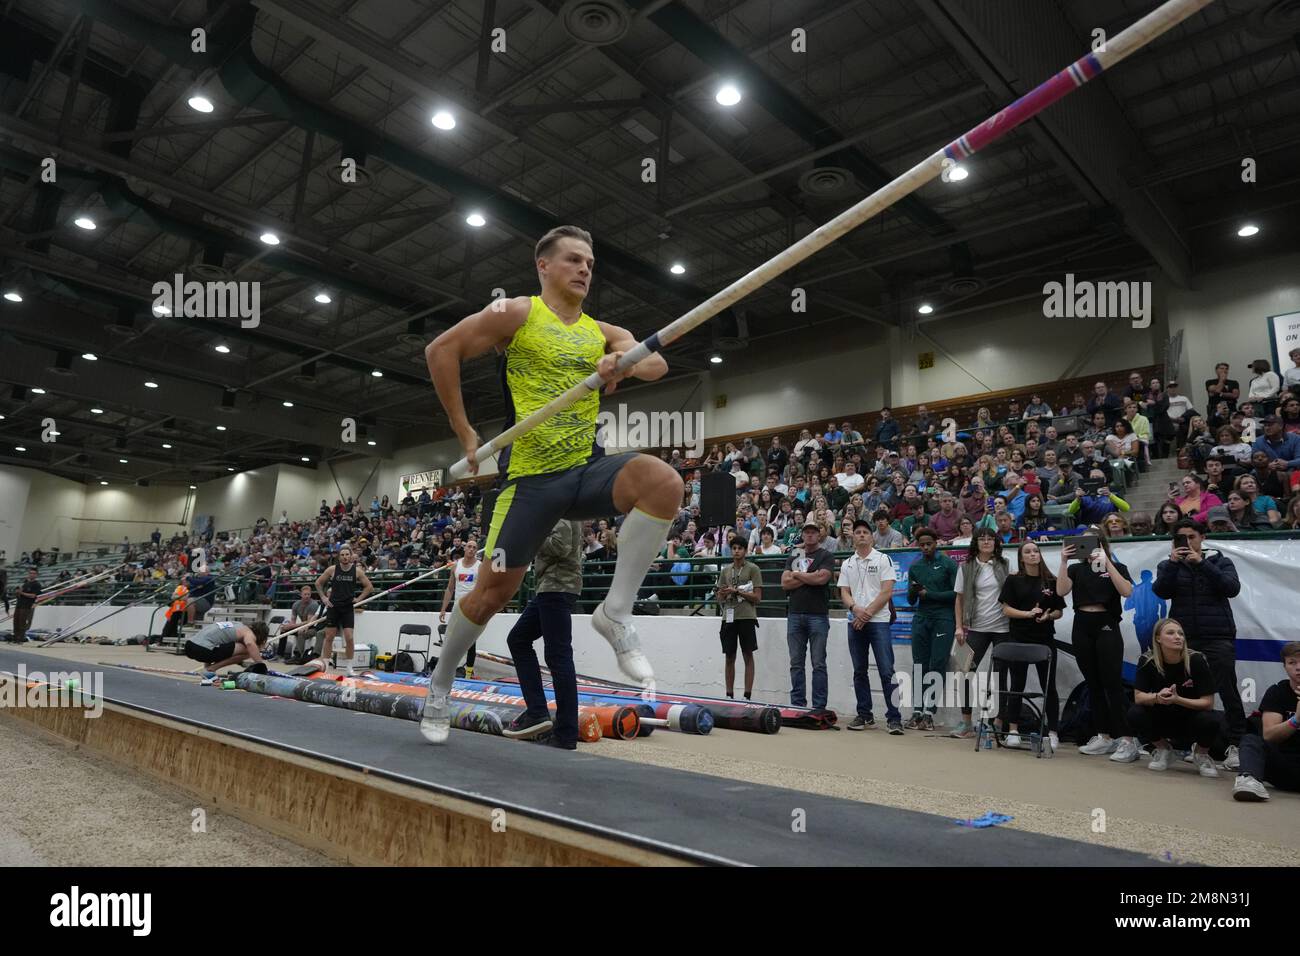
x: 371, y: 442
x: 194, y: 487
x: 96, y: 411
x: 223, y: 349
x: 306, y: 459
x: 90, y: 356
x: 84, y: 222
x: 957, y: 173
x: 377, y: 374
x: 270, y: 238
x: 727, y: 95
x: 165, y: 445
x: 161, y: 310
x: 19, y: 448
x: 715, y: 359
x: 230, y: 469
x: 926, y: 309
x: 13, y: 297
x: 476, y: 220
x: 444, y: 120
x: 221, y: 428
x: 150, y: 384
x: 103, y: 482
x: 323, y: 298
x: 287, y: 404
x: 38, y: 391
x: 677, y: 269
x: 122, y: 461
x: 200, y: 104
x: 1248, y: 230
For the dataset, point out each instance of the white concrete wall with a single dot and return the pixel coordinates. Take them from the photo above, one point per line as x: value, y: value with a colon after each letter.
x: 1224, y: 319
x: 296, y: 492
x: 116, y: 511
x: 15, y: 486
x: 53, y: 505
x: 238, y: 500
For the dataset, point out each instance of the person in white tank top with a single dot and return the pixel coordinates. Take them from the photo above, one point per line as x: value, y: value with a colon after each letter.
x: 463, y: 575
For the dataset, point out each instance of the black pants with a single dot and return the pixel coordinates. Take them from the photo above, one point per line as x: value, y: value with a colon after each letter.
x: 1221, y: 654
x: 979, y: 643
x: 1099, y: 649
x: 1266, y: 761
x: 549, y: 616
x: 1046, y: 679
x: 1178, y: 726
x: 22, y: 621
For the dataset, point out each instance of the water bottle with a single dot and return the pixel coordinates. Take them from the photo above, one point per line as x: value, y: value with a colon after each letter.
x: 988, y: 741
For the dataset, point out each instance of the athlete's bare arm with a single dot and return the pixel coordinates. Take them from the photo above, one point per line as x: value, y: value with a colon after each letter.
x: 617, y: 341
x: 472, y: 336
x: 325, y: 576
x: 367, y: 586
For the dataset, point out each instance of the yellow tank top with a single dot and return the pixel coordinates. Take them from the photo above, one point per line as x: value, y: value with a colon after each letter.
x: 546, y: 358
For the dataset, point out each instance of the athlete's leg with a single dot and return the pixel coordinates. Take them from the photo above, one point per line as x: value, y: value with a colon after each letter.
x: 327, y: 646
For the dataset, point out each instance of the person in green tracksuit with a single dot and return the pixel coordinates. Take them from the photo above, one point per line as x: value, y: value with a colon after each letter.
x: 931, y: 583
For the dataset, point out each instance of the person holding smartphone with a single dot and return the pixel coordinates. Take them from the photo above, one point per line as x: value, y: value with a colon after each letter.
x: 1098, y: 584
x: 1031, y: 604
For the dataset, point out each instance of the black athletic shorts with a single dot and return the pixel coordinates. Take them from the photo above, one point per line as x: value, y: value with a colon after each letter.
x: 743, y: 631
x: 206, y: 655
x: 340, y: 615
x: 528, y: 508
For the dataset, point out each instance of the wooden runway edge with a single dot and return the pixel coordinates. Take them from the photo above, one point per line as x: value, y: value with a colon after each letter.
x: 346, y: 814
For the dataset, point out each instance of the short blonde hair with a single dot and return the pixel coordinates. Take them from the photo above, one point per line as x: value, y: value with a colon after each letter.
x: 547, y: 241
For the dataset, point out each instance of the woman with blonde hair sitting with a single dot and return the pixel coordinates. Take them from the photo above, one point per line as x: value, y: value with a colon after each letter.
x: 1173, y: 700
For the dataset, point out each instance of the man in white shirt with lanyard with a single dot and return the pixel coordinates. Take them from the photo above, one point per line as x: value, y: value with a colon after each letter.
x: 866, y: 586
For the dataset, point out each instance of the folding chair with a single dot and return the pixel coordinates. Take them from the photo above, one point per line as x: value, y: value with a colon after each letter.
x: 1005, y: 655
x: 402, y: 659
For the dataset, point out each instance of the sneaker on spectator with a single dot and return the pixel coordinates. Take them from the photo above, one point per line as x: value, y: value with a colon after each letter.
x: 860, y: 723
x: 527, y: 725
x: 1098, y: 745
x: 927, y: 723
x: 896, y: 728
x: 1233, y: 760
x: 914, y: 722
x: 1205, y: 764
x: 1161, y: 759
x: 1248, y: 789
x: 1054, y: 740
x: 1011, y: 740
x: 964, y: 730
x: 1126, y: 751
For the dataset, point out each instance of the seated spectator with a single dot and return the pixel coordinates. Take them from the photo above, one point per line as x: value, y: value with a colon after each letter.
x: 1293, y: 514
x: 1272, y: 754
x: 1231, y: 446
x: 1264, y: 505
x: 1241, y: 514
x: 1283, y: 449
x: 739, y: 474
x: 1098, y: 429
x: 1089, y: 509
x: 1195, y: 501
x: 974, y: 499
x: 945, y: 522
x: 983, y: 419
x: 1066, y: 487
x: 1135, y: 390
x: 1220, y: 415
x: 965, y: 532
x: 909, y: 525
x: 1218, y: 480
x: 777, y: 457
x: 1034, y: 517
x: 1037, y: 408
x: 1219, y: 521
x: 850, y: 480
x: 1289, y: 411
x: 1006, y: 528
x: 1173, y: 701
x: 806, y: 448
x: 833, y: 438
x: 1141, y: 524
x: 767, y: 543
x: 885, y: 535
x: 1115, y: 525
x: 924, y: 423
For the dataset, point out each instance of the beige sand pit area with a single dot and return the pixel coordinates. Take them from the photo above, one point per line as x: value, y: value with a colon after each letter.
x: 1177, y: 815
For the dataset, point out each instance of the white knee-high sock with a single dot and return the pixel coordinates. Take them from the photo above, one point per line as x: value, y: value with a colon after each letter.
x: 461, y: 634
x: 639, y: 542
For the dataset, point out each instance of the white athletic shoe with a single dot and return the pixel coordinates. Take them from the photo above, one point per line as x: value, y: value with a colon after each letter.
x: 1248, y: 788
x: 1205, y: 764
x: 349, y: 671
x: 1054, y: 740
x: 1127, y: 751
x: 1011, y: 740
x: 1233, y: 760
x: 1161, y: 760
x: 627, y: 646
x: 1098, y: 745
x: 435, y: 725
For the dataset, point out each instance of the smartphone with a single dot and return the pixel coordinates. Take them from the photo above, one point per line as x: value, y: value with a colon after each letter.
x: 1083, y: 544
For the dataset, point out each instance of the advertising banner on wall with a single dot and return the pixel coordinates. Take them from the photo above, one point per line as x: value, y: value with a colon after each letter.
x: 415, y: 483
x: 1284, y: 334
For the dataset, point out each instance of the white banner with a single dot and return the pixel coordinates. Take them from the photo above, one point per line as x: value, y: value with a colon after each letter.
x: 414, y: 484
x: 1284, y: 331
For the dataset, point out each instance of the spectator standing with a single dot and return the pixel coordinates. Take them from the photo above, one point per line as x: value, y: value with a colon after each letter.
x: 1291, y: 377
x: 739, y: 589
x: 1098, y: 583
x: 1031, y: 604
x: 1265, y: 386
x: 1222, y: 389
x: 1199, y: 586
x: 980, y: 622
x: 804, y: 581
x: 777, y: 457
x: 1273, y: 754
x: 1103, y: 401
x: 924, y: 423
x: 866, y: 584
x: 1173, y: 700
x: 25, y: 606
x: 887, y: 430
x: 931, y: 589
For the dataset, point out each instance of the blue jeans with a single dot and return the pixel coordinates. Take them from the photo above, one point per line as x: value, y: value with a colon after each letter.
x: 804, y: 632
x: 549, y: 616
x: 873, y: 638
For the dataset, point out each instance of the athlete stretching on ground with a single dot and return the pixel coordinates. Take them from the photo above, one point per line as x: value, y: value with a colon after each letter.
x: 557, y: 470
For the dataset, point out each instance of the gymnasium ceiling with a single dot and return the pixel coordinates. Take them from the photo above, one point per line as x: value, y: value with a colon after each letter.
x: 1140, y: 169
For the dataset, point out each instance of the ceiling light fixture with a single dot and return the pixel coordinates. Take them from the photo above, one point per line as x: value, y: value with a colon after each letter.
x: 444, y: 120
x: 84, y: 222
x: 476, y: 220
x: 727, y: 95
x: 200, y: 103
x: 677, y: 269
x: 223, y: 348
x: 926, y: 309
x: 270, y: 238
x: 323, y: 298
x: 1248, y: 230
